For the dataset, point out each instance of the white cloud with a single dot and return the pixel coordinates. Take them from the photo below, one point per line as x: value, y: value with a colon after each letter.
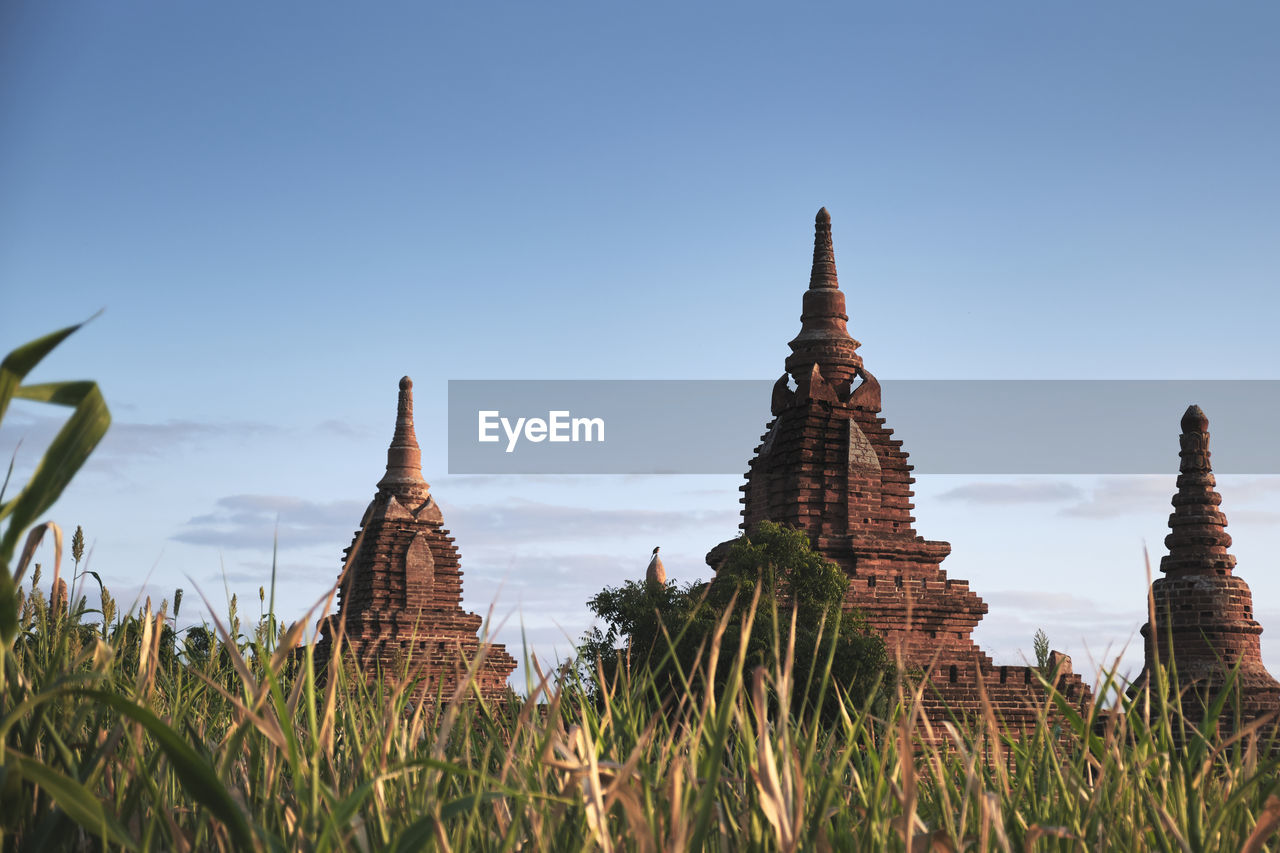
x: 1114, y: 496
x: 521, y: 520
x: 252, y: 521
x: 125, y: 441
x: 1023, y: 491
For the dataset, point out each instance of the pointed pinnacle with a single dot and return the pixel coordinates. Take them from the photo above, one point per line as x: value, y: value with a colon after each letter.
x: 1195, y: 420
x: 823, y: 274
x: 1197, y: 540
x: 404, y: 457
x: 1195, y: 442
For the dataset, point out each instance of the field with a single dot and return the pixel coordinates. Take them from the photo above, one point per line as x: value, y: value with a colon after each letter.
x: 120, y: 731
x: 130, y: 736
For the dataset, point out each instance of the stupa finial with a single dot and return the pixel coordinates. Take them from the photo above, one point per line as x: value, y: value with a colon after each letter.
x: 824, y: 338
x: 1198, y: 539
x: 404, y: 457
x: 824, y: 256
x: 1195, y: 420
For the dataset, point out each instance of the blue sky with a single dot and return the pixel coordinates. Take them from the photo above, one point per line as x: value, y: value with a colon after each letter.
x: 285, y: 207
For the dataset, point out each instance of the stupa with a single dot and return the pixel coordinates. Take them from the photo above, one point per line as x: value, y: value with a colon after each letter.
x: 828, y: 465
x: 401, y: 597
x: 1204, y: 620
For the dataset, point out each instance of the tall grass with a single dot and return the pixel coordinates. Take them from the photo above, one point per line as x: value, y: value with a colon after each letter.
x: 115, y: 737
x: 119, y: 732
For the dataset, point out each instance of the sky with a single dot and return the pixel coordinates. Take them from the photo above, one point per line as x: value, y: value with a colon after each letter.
x: 282, y: 208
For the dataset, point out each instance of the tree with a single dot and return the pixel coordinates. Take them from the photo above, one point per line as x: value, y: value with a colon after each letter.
x: 1040, y: 645
x: 779, y: 565
x: 635, y: 615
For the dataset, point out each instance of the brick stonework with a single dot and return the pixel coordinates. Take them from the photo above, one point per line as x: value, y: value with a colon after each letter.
x: 401, y: 598
x: 828, y: 465
x: 1203, y: 612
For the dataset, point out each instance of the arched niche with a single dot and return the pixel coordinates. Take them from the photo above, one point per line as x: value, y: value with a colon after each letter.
x: 419, y: 570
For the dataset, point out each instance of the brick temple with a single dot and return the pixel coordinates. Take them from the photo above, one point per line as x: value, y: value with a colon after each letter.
x: 1203, y: 612
x: 828, y: 465
x: 400, y: 598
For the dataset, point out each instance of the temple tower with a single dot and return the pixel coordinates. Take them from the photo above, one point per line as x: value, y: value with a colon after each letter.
x: 829, y: 466
x: 1204, y: 620
x: 401, y: 597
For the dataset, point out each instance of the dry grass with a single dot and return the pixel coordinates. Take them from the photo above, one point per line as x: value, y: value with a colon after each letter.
x: 113, y: 739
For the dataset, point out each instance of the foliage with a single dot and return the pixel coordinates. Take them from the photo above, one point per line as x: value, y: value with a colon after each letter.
x: 636, y: 617
x: 244, y: 750
x: 1040, y: 644
x: 66, y: 453
x: 770, y: 581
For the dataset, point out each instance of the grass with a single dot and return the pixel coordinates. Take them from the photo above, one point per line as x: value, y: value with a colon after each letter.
x: 117, y: 737
x: 118, y: 732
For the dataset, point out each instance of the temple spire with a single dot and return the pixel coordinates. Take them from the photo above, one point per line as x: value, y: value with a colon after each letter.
x: 1197, y: 540
x: 824, y: 339
x: 823, y: 273
x: 404, y: 457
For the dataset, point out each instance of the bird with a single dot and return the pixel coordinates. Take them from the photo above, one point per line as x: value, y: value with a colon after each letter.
x: 656, y: 573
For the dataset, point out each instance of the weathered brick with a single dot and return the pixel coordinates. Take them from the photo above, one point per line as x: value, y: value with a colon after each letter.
x: 829, y: 466
x: 1204, y: 620
x: 400, y: 599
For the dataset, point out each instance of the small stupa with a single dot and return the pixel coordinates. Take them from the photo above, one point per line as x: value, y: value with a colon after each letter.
x: 1203, y: 613
x: 401, y: 597
x: 656, y: 572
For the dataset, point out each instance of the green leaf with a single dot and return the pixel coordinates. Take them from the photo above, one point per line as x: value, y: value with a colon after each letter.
x: 416, y: 836
x: 67, y: 452
x: 19, y: 363
x: 72, y: 797
x: 195, y: 774
x: 419, y: 834
x: 64, y: 457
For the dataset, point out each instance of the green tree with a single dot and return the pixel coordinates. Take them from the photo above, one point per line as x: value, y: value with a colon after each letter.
x: 660, y: 627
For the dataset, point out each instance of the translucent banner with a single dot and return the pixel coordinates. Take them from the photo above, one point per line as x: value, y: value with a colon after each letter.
x: 947, y: 426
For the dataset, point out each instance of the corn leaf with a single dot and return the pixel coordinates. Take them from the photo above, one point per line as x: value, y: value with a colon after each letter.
x: 72, y: 797
x: 195, y: 774
x: 66, y: 454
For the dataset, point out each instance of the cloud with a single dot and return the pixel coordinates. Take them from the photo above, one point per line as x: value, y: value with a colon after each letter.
x: 522, y: 520
x: 260, y: 574
x: 1063, y: 606
x: 152, y: 439
x: 1244, y: 489
x: 521, y: 482
x: 1110, y: 497
x: 1080, y: 626
x: 343, y: 429
x: 1115, y: 496
x: 1021, y: 492
x: 125, y: 441
x: 250, y: 522
x: 1253, y: 516
x: 538, y: 571
x: 532, y: 481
